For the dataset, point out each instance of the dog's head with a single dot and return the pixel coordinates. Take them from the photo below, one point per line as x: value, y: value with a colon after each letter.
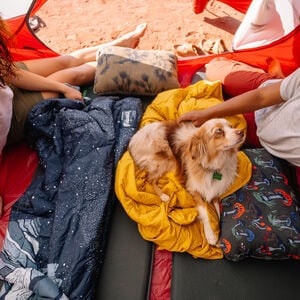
x: 214, y: 138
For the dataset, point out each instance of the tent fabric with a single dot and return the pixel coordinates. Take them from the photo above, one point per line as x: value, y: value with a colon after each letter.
x: 266, y: 21
x: 282, y: 43
x: 241, y: 5
x: 23, y: 42
x: 286, y: 50
x: 19, y: 163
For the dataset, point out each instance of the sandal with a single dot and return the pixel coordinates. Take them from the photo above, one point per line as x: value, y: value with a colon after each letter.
x: 213, y: 47
x: 187, y: 49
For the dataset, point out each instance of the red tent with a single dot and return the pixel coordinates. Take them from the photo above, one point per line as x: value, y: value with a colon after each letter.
x: 285, y: 49
x: 23, y: 42
x: 18, y: 164
x: 241, y: 6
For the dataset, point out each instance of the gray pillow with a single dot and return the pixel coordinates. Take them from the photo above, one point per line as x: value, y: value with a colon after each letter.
x: 126, y: 71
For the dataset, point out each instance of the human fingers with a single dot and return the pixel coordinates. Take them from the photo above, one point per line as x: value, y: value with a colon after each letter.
x: 189, y: 116
x: 73, y: 94
x: 194, y: 116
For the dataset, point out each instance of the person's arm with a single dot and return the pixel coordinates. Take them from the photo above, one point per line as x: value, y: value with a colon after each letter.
x: 247, y: 102
x: 33, y: 82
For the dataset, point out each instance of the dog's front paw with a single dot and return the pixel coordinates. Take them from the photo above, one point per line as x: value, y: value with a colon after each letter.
x: 164, y: 197
x: 212, y: 238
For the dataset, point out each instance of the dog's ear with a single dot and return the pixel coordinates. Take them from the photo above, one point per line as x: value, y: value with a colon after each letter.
x: 198, y: 145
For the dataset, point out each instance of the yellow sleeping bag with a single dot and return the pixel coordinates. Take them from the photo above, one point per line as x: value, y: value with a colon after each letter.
x: 174, y: 225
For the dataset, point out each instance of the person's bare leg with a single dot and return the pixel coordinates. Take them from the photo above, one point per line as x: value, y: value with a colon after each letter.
x: 80, y: 76
x: 130, y: 40
x: 48, y: 66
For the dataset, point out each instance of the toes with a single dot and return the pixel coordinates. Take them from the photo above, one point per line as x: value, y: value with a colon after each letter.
x: 141, y: 29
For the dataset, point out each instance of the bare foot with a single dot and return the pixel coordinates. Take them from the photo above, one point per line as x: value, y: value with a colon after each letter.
x: 274, y: 67
x: 131, y: 39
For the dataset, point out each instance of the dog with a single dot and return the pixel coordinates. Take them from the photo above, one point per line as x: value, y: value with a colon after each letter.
x: 203, y: 158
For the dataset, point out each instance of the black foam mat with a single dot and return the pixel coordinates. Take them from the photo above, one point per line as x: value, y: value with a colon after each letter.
x: 250, y: 279
x: 127, y: 264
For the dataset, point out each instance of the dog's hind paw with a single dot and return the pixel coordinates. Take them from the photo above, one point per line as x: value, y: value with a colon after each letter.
x: 164, y: 197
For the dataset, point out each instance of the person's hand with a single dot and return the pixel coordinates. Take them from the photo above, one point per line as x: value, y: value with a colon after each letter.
x: 72, y: 93
x: 198, y: 117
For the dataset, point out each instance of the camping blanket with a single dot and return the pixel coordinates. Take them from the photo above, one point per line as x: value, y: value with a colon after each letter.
x: 174, y: 225
x: 54, y: 244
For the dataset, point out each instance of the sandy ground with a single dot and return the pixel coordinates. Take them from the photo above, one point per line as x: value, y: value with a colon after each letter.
x: 73, y: 24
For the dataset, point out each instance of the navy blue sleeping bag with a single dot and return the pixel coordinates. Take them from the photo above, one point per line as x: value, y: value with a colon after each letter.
x: 57, y: 232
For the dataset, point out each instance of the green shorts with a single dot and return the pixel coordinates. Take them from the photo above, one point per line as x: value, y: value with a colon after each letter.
x: 23, y: 102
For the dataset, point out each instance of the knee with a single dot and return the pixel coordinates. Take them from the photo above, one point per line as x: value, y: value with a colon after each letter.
x: 218, y: 68
x: 69, y: 61
x: 82, y: 75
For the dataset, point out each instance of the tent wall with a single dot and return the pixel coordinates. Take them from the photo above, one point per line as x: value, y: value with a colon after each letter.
x: 23, y: 42
x: 266, y: 21
x: 25, y: 45
x: 286, y: 50
x: 241, y: 5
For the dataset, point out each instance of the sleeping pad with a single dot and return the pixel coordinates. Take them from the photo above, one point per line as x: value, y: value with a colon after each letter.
x: 173, y: 225
x: 56, y: 236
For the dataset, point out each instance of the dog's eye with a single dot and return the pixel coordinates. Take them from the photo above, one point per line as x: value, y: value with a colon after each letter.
x: 219, y: 131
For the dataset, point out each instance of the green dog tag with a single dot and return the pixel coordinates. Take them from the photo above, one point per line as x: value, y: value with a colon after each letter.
x: 217, y: 175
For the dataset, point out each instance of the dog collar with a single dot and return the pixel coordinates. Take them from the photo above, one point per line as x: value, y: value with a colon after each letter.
x: 217, y: 175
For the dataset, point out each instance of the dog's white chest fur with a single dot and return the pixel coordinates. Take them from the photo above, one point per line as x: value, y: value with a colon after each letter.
x: 213, y: 183
x: 209, y: 158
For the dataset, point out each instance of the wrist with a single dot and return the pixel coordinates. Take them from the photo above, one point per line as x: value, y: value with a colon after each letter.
x: 63, y: 88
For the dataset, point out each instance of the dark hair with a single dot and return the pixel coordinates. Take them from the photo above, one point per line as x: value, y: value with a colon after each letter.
x: 6, y: 60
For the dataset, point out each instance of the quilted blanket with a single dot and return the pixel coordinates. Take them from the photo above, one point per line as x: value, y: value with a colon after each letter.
x: 55, y: 240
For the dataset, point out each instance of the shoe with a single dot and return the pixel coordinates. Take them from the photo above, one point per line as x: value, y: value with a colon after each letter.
x: 213, y: 47
x: 187, y: 49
